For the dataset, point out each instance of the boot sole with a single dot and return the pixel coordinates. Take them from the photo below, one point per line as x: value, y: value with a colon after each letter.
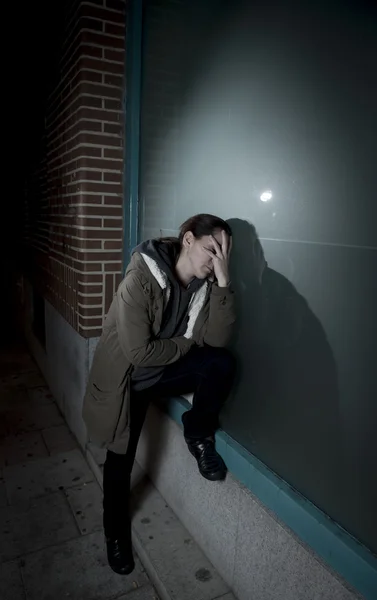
x: 123, y: 571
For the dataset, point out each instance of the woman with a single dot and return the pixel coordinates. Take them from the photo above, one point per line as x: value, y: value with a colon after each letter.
x: 164, y: 335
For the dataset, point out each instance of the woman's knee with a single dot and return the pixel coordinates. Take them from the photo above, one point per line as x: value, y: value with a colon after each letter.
x: 222, y: 358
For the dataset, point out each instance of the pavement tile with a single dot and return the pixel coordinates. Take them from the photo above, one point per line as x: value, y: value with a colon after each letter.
x: 147, y: 592
x: 40, y: 395
x: 47, y: 521
x: 11, y: 587
x: 59, y: 439
x: 179, y: 563
x: 32, y: 418
x: 45, y: 475
x: 77, y: 570
x: 86, y: 504
x: 28, y: 379
x: 23, y: 447
x: 11, y: 399
x: 3, y: 495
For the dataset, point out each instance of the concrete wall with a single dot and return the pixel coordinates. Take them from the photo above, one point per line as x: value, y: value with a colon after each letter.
x: 64, y: 362
x: 258, y: 557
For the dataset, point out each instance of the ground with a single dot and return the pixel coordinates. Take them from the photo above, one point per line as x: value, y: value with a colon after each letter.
x: 51, y: 540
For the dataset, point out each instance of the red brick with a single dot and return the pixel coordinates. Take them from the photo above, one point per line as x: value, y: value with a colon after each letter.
x: 113, y: 245
x: 103, y: 211
x: 101, y: 256
x: 100, y: 187
x: 113, y: 104
x: 114, y: 55
x: 113, y: 267
x: 100, y: 115
x: 100, y: 139
x: 98, y: 163
x: 99, y: 39
x: 114, y: 200
x: 89, y: 278
x: 90, y: 289
x: 83, y: 222
x: 116, y: 5
x: 90, y: 300
x: 115, y: 129
x: 91, y: 102
x: 116, y: 80
x: 87, y: 266
x: 84, y: 199
x: 113, y: 153
x: 102, y: 65
x: 103, y: 14
x: 93, y: 24
x: 103, y: 91
x: 108, y: 234
x: 112, y: 29
x: 113, y: 177
x: 88, y: 322
x: 112, y: 223
x: 80, y: 184
x: 90, y: 311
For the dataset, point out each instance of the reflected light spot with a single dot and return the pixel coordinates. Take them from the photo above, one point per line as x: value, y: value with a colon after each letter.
x: 266, y: 196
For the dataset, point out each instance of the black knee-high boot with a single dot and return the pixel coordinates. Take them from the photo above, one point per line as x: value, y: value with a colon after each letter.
x: 116, y: 517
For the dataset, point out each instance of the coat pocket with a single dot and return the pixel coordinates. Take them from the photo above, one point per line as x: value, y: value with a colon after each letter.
x: 101, y: 413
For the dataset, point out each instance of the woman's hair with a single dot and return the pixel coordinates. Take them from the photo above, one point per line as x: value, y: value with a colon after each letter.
x: 203, y: 224
x: 199, y: 225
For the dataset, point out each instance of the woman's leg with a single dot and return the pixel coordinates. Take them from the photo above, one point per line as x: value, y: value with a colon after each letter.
x: 209, y: 373
x: 116, y: 493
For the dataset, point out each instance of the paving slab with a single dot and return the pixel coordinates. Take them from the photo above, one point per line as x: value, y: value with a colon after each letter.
x: 147, y: 592
x: 28, y: 417
x: 77, y: 570
x: 11, y: 399
x: 86, y: 505
x: 45, y: 475
x: 181, y: 570
x: 21, y: 448
x: 28, y: 379
x: 40, y: 395
x: 3, y: 494
x: 46, y: 521
x: 11, y: 587
x: 59, y: 439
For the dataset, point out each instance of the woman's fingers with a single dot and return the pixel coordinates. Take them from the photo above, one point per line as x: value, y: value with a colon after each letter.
x: 210, y: 253
x: 224, y: 243
x: 230, y: 245
x: 216, y: 247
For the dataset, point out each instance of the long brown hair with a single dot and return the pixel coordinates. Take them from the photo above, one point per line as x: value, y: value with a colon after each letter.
x: 199, y: 225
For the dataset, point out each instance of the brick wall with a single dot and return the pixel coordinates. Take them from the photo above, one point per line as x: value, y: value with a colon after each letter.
x: 74, y: 214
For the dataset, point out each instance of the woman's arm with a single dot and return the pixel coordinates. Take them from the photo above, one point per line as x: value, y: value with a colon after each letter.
x: 134, y: 328
x: 221, y: 317
x: 221, y: 305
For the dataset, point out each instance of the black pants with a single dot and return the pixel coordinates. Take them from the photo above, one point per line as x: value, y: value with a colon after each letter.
x: 209, y: 373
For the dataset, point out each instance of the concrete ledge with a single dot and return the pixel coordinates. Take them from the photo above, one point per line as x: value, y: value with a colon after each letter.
x: 340, y: 551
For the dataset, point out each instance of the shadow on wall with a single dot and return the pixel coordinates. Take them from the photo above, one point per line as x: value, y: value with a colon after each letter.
x: 285, y: 406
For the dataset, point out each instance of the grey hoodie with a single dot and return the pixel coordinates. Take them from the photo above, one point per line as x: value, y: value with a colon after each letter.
x: 176, y: 312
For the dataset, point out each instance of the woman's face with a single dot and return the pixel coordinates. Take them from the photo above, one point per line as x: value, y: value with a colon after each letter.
x: 201, y: 264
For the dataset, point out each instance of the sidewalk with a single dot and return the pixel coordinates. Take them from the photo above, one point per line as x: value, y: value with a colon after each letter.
x: 51, y: 540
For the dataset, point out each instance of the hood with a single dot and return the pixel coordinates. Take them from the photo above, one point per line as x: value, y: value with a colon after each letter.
x: 163, y: 253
